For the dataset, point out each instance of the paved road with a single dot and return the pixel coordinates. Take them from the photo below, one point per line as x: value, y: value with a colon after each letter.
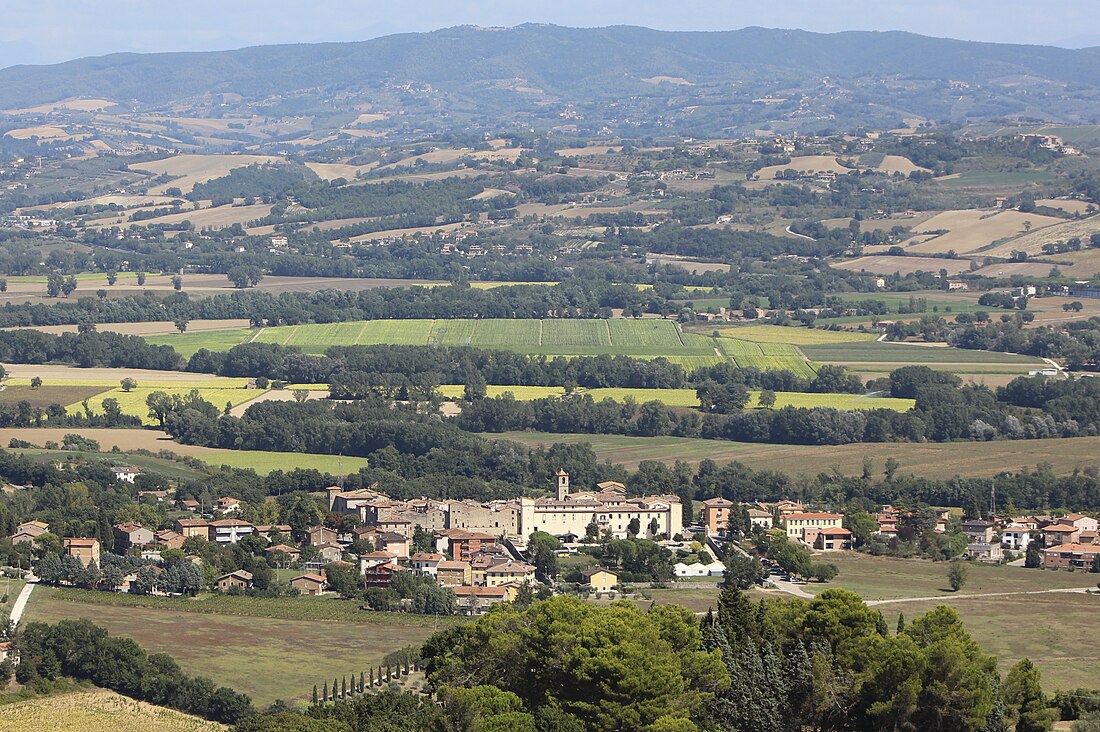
x: 21, y: 601
x: 792, y: 589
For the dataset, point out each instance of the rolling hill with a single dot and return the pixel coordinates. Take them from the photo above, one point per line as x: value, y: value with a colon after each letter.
x: 533, y: 70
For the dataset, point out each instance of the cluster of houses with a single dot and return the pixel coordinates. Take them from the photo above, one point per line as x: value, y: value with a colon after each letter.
x: 477, y: 547
x: 1069, y: 542
x: 816, y: 530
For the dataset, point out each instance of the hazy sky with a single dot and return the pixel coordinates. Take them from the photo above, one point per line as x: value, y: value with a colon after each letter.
x: 47, y: 31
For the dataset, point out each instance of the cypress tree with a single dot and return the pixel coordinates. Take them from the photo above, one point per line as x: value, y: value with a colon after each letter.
x: 315, y: 695
x: 362, y: 683
x: 388, y: 673
x: 334, y: 688
x: 325, y: 696
x: 344, y: 687
x: 372, y: 677
x: 901, y: 623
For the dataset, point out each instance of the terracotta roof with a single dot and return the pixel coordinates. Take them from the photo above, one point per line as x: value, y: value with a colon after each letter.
x: 247, y: 576
x: 1062, y: 528
x: 283, y: 548
x: 510, y: 567
x: 473, y: 591
x: 225, y: 523
x: 1076, y: 548
x: 814, y: 516
x: 310, y: 577
x: 834, y: 531
x: 463, y: 534
x: 719, y: 501
x: 594, y: 570
x: 453, y: 564
x: 129, y: 527
x: 80, y: 541
x: 192, y: 522
x: 426, y: 557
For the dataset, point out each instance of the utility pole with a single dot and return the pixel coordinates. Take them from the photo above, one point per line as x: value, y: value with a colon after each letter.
x: 993, y: 499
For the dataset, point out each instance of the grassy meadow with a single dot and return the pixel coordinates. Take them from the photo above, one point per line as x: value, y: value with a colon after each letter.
x: 97, y: 709
x: 264, y: 657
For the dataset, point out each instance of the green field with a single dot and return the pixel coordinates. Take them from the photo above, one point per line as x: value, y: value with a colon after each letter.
x: 927, y: 459
x: 797, y: 335
x: 147, y: 463
x: 878, y: 357
x: 133, y: 402
x: 212, y: 340
x: 766, y: 356
x: 1010, y: 627
x: 266, y: 658
x: 264, y: 462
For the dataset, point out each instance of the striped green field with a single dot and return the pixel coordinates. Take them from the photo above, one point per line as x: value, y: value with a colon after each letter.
x: 213, y: 340
x: 794, y: 335
x: 767, y: 356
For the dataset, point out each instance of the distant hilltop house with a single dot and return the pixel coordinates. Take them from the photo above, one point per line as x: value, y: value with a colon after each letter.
x: 29, y: 531
x: 126, y: 475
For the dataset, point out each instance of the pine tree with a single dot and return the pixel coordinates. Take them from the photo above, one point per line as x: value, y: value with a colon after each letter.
x: 880, y: 626
x: 315, y: 695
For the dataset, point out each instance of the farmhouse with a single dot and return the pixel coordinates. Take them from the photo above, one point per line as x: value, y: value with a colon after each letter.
x: 228, y: 504
x: 985, y: 551
x: 1080, y: 521
x: 292, y: 553
x: 29, y: 531
x: 602, y: 581
x: 239, y: 580
x: 1061, y: 534
x: 126, y: 475
x: 309, y: 584
x: 319, y: 535
x: 609, y: 509
x: 476, y: 600
x: 131, y: 534
x: 84, y: 549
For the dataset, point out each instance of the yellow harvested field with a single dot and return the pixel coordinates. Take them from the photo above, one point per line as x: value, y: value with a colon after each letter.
x: 888, y: 264
x: 571, y: 152
x: 898, y: 164
x: 970, y: 230
x: 366, y: 118
x: 44, y: 132
x: 805, y: 164
x: 332, y: 171
x: 1033, y: 242
x: 1072, y: 205
x: 674, y: 80
x: 79, y: 105
x: 119, y: 199
x: 219, y: 393
x: 373, y: 236
x: 909, y: 222
x: 448, y: 155
x: 204, y: 125
x: 345, y: 131
x: 491, y: 193
x: 1010, y: 269
x: 687, y: 263
x: 505, y: 153
x: 97, y: 710
x: 198, y: 168
x: 218, y: 217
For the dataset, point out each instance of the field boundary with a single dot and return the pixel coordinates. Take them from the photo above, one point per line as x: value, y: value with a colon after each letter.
x: 610, y: 340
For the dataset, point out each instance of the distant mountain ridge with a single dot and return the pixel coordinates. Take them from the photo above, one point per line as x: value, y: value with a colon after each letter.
x: 579, y: 65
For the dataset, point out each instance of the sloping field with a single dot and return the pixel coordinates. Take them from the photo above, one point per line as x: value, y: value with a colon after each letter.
x: 806, y: 164
x: 217, y: 217
x: 97, y: 710
x: 777, y: 357
x: 191, y: 169
x: 80, y: 105
x: 885, y: 264
x: 1069, y: 205
x: 133, y: 402
x: 929, y: 459
x: 970, y: 230
x: 797, y: 336
x: 898, y: 164
x: 332, y: 171
x: 261, y: 461
x: 1063, y: 231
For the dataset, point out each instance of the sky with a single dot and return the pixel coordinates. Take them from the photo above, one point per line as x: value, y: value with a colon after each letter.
x: 50, y: 31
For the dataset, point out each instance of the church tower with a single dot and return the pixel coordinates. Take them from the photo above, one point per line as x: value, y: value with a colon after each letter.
x: 563, y: 484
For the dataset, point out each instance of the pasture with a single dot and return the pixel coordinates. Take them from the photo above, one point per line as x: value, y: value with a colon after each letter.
x: 878, y: 357
x: 929, y: 459
x: 806, y: 164
x: 1033, y: 241
x: 230, y: 648
x: 1003, y: 625
x: 97, y: 709
x: 794, y: 335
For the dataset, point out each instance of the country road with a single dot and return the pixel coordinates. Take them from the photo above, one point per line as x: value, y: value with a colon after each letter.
x: 1074, y: 590
x: 21, y: 601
